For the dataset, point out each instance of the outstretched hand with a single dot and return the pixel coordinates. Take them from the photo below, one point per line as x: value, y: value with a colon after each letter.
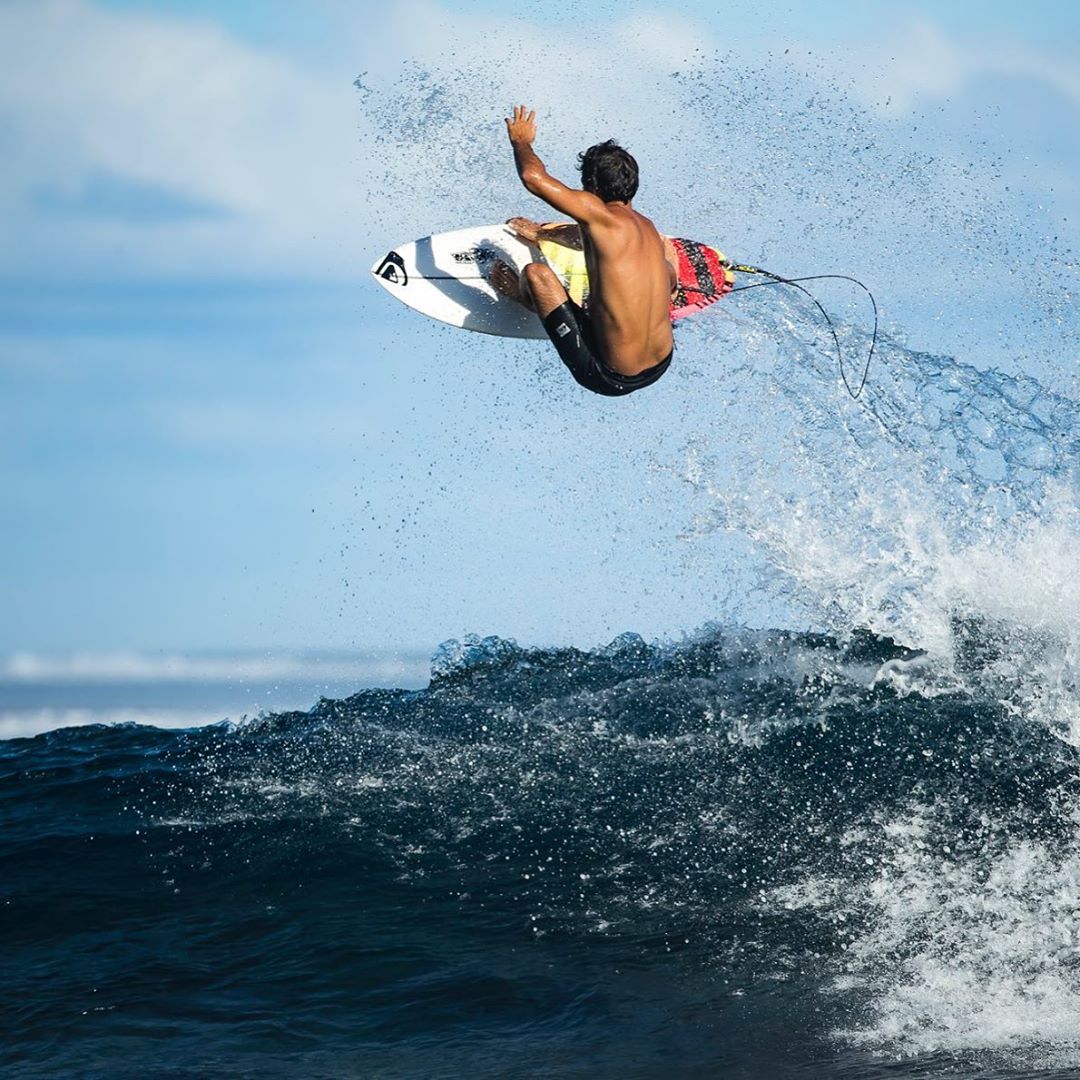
x: 525, y: 229
x: 522, y: 128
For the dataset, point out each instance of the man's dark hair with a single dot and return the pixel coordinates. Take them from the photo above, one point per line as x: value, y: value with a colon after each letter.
x: 609, y: 171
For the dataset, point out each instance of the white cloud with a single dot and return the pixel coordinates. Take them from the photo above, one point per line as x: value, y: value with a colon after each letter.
x: 175, y: 105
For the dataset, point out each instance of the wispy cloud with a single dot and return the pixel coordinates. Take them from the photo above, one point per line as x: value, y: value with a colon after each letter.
x: 115, y: 198
x: 236, y: 426
x: 114, y: 122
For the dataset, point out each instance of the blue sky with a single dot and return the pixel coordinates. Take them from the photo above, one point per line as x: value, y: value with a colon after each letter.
x: 215, y: 432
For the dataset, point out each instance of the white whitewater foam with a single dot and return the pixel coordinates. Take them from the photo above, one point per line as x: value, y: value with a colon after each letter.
x: 998, y: 612
x: 40, y: 692
x: 959, y: 956
x: 26, y: 723
x: 129, y: 667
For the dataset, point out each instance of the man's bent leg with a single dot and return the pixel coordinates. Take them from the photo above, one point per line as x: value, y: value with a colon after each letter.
x: 537, y: 288
x: 546, y: 289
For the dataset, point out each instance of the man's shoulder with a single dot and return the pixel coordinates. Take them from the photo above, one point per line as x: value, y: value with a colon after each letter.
x: 622, y: 220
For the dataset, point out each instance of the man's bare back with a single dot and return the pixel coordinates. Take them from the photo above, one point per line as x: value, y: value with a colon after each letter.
x: 629, y: 289
x: 627, y: 327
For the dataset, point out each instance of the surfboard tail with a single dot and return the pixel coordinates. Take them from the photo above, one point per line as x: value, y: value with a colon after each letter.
x: 704, y: 277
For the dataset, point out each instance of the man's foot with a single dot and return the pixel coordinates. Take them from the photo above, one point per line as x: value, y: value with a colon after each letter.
x: 506, y: 281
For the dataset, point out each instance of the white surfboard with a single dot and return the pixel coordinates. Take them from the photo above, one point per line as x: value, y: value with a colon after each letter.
x: 444, y: 277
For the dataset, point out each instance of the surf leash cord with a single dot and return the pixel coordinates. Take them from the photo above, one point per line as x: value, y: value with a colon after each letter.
x: 776, y: 279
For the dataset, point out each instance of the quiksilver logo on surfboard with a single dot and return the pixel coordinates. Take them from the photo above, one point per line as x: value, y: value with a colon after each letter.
x: 392, y: 269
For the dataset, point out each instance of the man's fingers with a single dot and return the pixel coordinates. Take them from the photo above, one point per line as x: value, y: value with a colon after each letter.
x: 523, y: 115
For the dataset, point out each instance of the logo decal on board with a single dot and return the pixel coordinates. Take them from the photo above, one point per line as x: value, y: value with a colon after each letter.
x: 392, y: 269
x: 479, y: 255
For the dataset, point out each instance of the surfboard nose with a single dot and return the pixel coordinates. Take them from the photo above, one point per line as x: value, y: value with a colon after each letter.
x: 391, y: 269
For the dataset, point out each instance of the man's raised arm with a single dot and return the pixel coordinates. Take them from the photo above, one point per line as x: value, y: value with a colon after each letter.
x: 580, y: 205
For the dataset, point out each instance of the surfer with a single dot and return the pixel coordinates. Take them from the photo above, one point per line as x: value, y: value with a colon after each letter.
x: 623, y: 342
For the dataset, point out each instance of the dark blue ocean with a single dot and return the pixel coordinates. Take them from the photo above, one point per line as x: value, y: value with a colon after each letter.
x: 749, y: 854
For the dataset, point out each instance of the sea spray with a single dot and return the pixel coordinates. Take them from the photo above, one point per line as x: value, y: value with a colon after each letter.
x: 943, y: 514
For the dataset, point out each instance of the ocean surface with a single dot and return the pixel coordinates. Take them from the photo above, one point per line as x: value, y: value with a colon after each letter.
x: 752, y: 853
x: 41, y: 692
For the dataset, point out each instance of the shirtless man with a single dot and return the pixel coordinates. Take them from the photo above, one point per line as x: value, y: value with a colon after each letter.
x: 623, y: 342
